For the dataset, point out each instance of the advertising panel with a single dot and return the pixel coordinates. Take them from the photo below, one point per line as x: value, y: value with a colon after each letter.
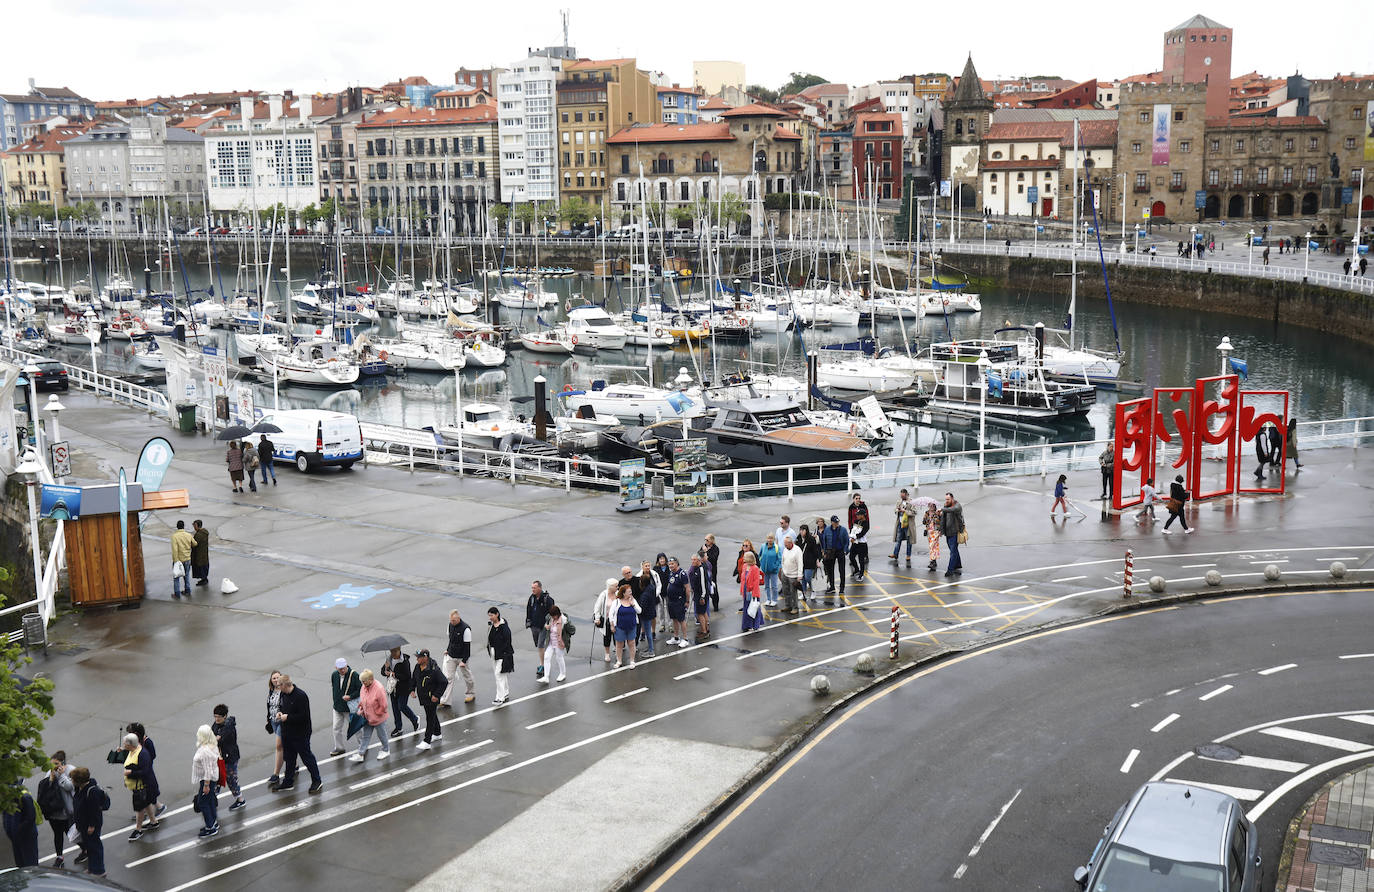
x: 1159, y: 143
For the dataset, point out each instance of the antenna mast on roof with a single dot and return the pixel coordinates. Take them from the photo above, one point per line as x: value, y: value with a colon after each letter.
x: 563, y: 13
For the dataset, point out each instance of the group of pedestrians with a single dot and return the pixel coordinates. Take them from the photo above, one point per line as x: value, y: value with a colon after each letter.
x: 190, y: 557
x: 245, y: 458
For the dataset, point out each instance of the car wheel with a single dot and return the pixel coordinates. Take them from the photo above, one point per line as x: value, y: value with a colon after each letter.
x: 347, y: 466
x: 302, y: 463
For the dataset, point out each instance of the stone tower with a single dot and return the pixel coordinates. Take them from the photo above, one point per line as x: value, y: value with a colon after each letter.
x: 1199, y: 52
x: 968, y: 114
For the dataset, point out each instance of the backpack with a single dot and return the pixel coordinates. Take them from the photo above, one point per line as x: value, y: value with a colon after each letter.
x: 50, y: 799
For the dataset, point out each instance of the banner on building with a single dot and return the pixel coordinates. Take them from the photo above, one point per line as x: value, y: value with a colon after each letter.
x: 1369, y: 130
x: 1159, y: 147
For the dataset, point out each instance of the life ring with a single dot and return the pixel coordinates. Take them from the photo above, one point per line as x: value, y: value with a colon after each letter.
x: 658, y: 332
x: 574, y: 340
x: 567, y: 388
x: 381, y: 354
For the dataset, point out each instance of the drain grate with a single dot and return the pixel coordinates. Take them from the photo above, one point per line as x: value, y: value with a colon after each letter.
x: 1337, y: 856
x: 1218, y: 751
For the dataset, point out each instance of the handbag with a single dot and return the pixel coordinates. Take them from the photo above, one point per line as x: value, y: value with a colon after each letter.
x: 270, y: 729
x: 753, y: 608
x: 223, y: 780
x: 1174, y: 506
x: 962, y: 538
x: 391, y: 684
x: 355, y: 723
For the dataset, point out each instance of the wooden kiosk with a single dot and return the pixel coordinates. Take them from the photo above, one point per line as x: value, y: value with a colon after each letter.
x: 95, y: 561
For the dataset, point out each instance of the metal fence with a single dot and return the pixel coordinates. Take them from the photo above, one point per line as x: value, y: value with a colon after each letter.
x: 118, y: 389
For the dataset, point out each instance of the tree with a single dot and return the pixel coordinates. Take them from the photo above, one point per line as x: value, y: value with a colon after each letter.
x: 25, y: 707
x: 761, y: 92
x: 327, y: 211
x: 800, y: 81
x: 682, y: 216
x: 88, y: 211
x: 577, y: 211
x: 500, y: 213
x: 309, y: 216
x: 525, y: 215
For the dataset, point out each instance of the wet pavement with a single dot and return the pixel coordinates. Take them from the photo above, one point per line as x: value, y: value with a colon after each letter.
x: 326, y: 560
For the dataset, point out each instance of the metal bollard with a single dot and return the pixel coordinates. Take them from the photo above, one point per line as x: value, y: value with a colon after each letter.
x: 892, y: 643
x: 1128, y: 575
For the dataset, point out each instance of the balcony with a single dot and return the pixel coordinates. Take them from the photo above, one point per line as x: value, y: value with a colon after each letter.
x: 1178, y: 187
x: 1140, y: 189
x: 662, y: 166
x: 707, y: 167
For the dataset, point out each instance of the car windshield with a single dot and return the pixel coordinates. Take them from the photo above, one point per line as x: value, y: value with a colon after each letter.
x: 1128, y: 870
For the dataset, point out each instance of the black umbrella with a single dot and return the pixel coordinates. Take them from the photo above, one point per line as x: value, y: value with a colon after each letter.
x: 265, y: 427
x: 383, y: 642
x: 233, y: 432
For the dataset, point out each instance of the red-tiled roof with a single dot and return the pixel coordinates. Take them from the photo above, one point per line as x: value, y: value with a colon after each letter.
x: 462, y: 91
x: 596, y: 63
x: 713, y: 104
x: 677, y: 89
x: 1150, y: 77
x: 781, y: 132
x: 715, y: 131
x: 422, y: 117
x: 754, y: 109
x: 1029, y: 164
x: 50, y: 141
x: 1091, y: 134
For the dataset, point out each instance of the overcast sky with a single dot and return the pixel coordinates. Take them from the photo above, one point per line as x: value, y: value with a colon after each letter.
x: 119, y: 49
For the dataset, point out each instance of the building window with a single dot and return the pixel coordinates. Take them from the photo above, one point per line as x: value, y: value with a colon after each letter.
x: 1288, y: 144
x: 1141, y: 181
x: 1135, y: 148
x: 577, y: 117
x: 1240, y: 145
x: 1145, y: 117
x: 1312, y: 143
x: 1178, y: 114
x: 1176, y: 179
x: 1237, y: 176
x: 1288, y: 176
x: 1214, y: 146
x: 1185, y: 145
x: 1311, y: 173
x: 684, y: 191
x: 1350, y: 142
x: 1262, y: 176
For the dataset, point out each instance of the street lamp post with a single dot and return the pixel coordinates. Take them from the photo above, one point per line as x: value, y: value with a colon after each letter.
x: 1193, y: 243
x: 1224, y: 348
x: 1137, y: 238
x: 92, y: 334
x: 29, y: 468
x: 55, y: 407
x: 1250, y: 248
x: 1306, y: 251
x: 1359, y: 213
x: 31, y: 372
x: 983, y: 366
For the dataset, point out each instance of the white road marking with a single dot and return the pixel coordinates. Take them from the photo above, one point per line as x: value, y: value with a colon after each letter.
x: 690, y: 674
x: 372, y: 781
x: 1361, y: 719
x: 1221, y: 690
x: 1355, y: 656
x: 1171, y: 693
x: 1130, y: 760
x: 1343, y: 558
x: 821, y: 635
x: 984, y: 838
x: 1335, y: 743
x: 752, y: 653
x: 557, y: 718
x: 1007, y: 591
x: 1272, y: 670
x: 1195, y: 566
x: 1260, y: 762
x: 624, y: 695
x: 1166, y: 722
x: 1297, y: 780
x: 1244, y: 794
x: 1068, y: 579
x: 1273, y: 561
x: 958, y: 603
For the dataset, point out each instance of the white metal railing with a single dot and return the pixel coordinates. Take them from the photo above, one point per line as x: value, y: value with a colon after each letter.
x: 102, y: 385
x: 45, y: 596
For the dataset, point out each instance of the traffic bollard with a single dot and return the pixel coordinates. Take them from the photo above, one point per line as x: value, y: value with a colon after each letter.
x: 1127, y: 577
x: 892, y: 645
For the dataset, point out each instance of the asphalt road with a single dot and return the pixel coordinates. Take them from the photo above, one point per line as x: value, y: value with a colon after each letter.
x: 999, y: 769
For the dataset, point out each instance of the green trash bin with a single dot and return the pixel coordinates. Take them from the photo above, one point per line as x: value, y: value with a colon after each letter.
x: 186, y: 418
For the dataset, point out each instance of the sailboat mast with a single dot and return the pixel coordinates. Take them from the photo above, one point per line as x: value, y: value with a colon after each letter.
x: 1073, y: 242
x: 644, y: 222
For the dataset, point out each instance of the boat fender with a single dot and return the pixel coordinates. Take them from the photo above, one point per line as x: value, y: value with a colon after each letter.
x: 382, y: 355
x: 567, y: 388
x: 567, y: 305
x: 574, y: 340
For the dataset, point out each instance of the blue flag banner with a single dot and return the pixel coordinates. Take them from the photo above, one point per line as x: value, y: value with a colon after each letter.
x: 994, y: 385
x: 124, y: 520
x: 1239, y: 367
x: 680, y: 402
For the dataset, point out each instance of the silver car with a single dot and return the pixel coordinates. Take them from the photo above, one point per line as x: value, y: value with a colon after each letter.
x: 1174, y: 837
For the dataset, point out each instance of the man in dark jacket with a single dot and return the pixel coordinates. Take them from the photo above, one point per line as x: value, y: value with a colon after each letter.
x: 265, y: 449
x: 89, y: 803
x: 397, y: 666
x: 21, y: 826
x: 811, y: 558
x: 200, y: 553
x: 703, y: 586
x: 293, y: 711
x: 456, y: 656
x: 502, y: 652
x: 951, y: 525
x: 536, y: 614
x: 711, y: 551
x: 645, y: 591
x: 834, y: 541
x: 345, y: 685
x: 227, y: 734
x: 858, y: 518
x: 675, y: 596
x: 430, y: 685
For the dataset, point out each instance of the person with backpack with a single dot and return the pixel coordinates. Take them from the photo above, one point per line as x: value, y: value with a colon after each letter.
x: 1178, y: 497
x: 54, y: 800
x: 89, y: 804
x: 21, y: 826
x: 555, y: 655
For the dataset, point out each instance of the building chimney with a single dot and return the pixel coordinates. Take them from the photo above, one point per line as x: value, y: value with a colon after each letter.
x: 32, y: 87
x: 307, y: 105
x: 274, y: 106
x: 246, y: 110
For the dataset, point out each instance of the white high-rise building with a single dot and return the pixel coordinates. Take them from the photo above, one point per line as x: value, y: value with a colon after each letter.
x: 526, y: 100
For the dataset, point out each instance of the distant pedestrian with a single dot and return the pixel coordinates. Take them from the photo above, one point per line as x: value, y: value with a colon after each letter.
x: 1275, y: 445
x: 703, y: 586
x: 811, y: 558
x: 858, y: 546
x: 791, y: 575
x: 21, y: 826
x: 200, y: 553
x: 1364, y: 265
x: 344, y: 684
x: 556, y: 656
x: 233, y: 457
x: 141, y: 783
x: 226, y: 731
x: 834, y: 547
x: 1263, y: 454
x: 205, y: 776
x: 250, y: 465
x: 266, y: 449
x: 1266, y: 256
x: 372, y: 706
x: 502, y: 652
x: 1180, y: 247
x: 711, y: 551
x: 905, y: 510
x: 1291, y: 447
x: 856, y: 517
x: 1106, y: 462
x: 1061, y: 487
x: 54, y: 800
x: 1346, y: 266
x: 89, y: 804
x: 931, y: 522
x: 1148, y: 497
x: 955, y: 533
x: 770, y: 562
x: 1178, y: 498
x: 274, y: 726
x: 456, y: 656
x: 1152, y: 253
x: 536, y: 612
x: 675, y: 595
x: 400, y: 683
x: 750, y: 582
x: 430, y: 685
x: 603, y: 612
x: 293, y: 712
x: 182, y: 545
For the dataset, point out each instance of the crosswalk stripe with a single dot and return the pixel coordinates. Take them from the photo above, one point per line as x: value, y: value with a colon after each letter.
x: 1261, y: 762
x: 1359, y: 719
x: 1335, y: 743
x: 1244, y: 794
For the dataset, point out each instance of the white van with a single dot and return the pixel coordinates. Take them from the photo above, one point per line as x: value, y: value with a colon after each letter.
x: 313, y: 437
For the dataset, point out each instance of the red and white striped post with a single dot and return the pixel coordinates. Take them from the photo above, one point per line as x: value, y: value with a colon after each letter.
x: 892, y: 644
x: 1127, y: 577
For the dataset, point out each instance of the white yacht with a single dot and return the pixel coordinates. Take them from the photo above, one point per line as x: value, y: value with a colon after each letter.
x: 486, y: 426
x: 432, y: 355
x: 633, y: 402
x: 317, y: 362
x: 592, y: 325
x: 863, y: 374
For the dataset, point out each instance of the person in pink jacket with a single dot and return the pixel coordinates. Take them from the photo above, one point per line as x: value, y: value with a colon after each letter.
x: 750, y: 578
x: 372, y: 707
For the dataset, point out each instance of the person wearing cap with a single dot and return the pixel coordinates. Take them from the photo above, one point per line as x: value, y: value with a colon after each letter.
x: 834, y: 546
x: 430, y: 685
x: 791, y: 574
x: 345, y: 685
x: 675, y: 593
x: 602, y: 610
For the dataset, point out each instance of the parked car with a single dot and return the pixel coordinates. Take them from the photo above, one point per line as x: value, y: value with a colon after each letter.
x: 1175, y: 836
x: 312, y: 438
x: 347, y: 231
x: 220, y: 230
x: 382, y: 230
x: 45, y: 226
x: 298, y: 231
x: 198, y: 231
x: 51, y: 375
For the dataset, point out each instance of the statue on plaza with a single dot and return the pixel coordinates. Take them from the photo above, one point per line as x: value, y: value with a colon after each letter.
x: 1335, y: 167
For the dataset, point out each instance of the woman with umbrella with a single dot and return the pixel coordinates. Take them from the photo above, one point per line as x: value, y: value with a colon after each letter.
x: 399, y: 678
x: 233, y: 457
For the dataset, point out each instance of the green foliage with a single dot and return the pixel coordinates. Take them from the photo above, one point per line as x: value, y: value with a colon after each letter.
x: 310, y: 215
x: 800, y: 81
x: 727, y: 210
x: 758, y: 91
x: 37, y: 210
x: 327, y: 211
x: 682, y: 216
x: 500, y: 213
x: 577, y: 211
x: 782, y: 201
x: 23, y: 710
x: 912, y: 187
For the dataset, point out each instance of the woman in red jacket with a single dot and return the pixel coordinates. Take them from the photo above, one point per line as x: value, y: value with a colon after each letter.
x: 750, y: 579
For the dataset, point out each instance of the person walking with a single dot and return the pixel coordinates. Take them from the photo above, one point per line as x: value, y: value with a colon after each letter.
x: 857, y: 518
x: 536, y: 614
x: 645, y: 591
x: 556, y: 655
x: 233, y: 457
x: 703, y: 588
x: 21, y: 826
x: 1178, y: 498
x: 811, y: 558
x: 711, y: 552
x: 1291, y: 443
x: 250, y: 464
x: 1106, y: 462
x: 400, y: 683
x: 952, y: 526
x: 931, y: 524
x: 344, y: 685
x: 1364, y: 266
x: 626, y: 619
x: 1263, y: 455
x: 1148, y: 497
x: 372, y: 707
x: 1346, y: 266
x: 89, y: 804
x: 1061, y: 487
x: 603, y: 609
x: 1275, y: 445
x: 54, y: 800
x: 834, y: 547
x: 791, y: 574
x: 141, y: 782
x: 274, y: 726
x: 905, y: 510
x: 205, y: 777
x: 676, y: 593
x: 430, y: 685
x: 293, y: 712
x: 770, y: 562
x: 266, y: 450
x: 183, y: 543
x: 858, y: 546
x: 750, y: 581
x: 226, y: 732
x: 200, y: 553
x: 502, y: 652
x: 456, y: 657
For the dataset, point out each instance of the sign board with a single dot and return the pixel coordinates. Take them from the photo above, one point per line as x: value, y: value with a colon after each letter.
x: 61, y: 502
x: 1032, y: 194
x: 689, y: 473
x: 245, y: 403
x: 1144, y: 213
x: 873, y: 413
x: 1200, y: 199
x: 1347, y: 195
x: 944, y: 188
x: 632, y: 476
x: 61, y: 459
x: 216, y: 369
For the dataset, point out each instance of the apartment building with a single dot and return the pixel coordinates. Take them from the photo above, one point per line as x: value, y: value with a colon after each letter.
x: 526, y: 98
x: 877, y: 155
x: 596, y: 98
x: 36, y: 170
x: 38, y: 104
x: 130, y: 169
x: 264, y: 156
x: 680, y: 104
